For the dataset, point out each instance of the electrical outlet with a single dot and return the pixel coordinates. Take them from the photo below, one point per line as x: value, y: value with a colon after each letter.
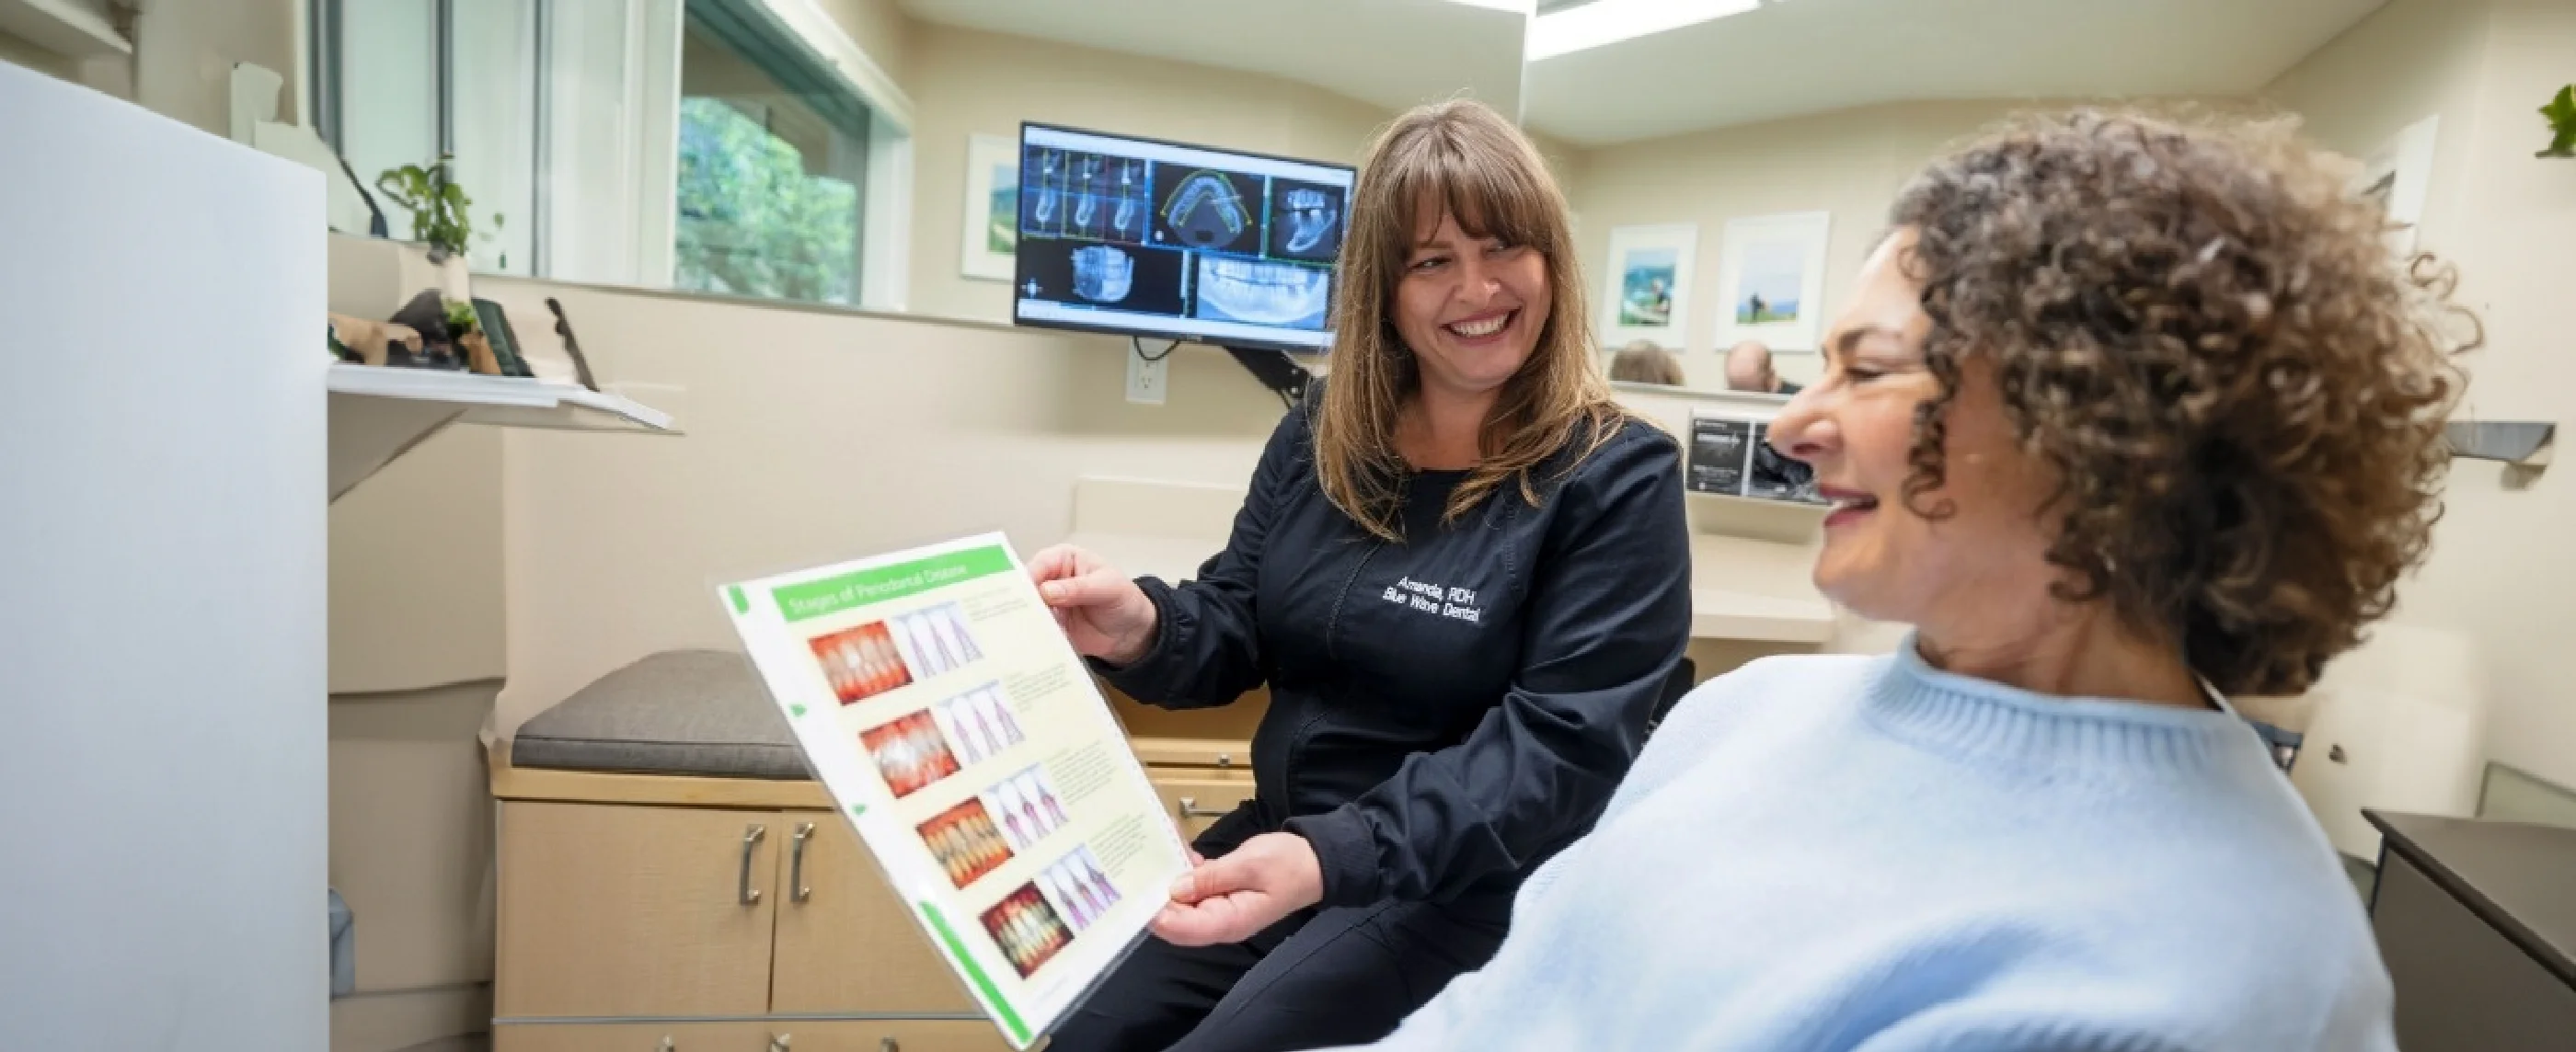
x: 1148, y: 380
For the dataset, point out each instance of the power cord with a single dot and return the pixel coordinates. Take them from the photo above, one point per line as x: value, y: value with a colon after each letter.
x: 1138, y: 342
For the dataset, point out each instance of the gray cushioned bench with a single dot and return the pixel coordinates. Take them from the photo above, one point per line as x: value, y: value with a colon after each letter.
x: 692, y: 712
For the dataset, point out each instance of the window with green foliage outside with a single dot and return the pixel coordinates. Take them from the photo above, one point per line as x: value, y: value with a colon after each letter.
x: 769, y: 175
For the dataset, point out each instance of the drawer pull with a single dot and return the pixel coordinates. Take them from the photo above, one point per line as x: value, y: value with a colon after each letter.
x: 750, y: 840
x: 779, y: 1042
x: 1224, y: 759
x: 887, y: 1044
x: 669, y: 1045
x: 1190, y: 809
x: 796, y: 888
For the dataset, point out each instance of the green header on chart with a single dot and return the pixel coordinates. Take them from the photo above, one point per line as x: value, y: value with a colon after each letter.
x: 800, y: 602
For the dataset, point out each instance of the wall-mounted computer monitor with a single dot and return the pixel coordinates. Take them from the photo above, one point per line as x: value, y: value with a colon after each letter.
x: 1147, y: 238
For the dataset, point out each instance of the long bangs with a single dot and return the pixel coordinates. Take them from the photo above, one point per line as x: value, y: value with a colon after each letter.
x: 1484, y: 183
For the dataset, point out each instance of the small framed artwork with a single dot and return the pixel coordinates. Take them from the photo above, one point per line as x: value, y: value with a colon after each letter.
x: 1772, y: 275
x: 1650, y: 281
x: 992, y: 233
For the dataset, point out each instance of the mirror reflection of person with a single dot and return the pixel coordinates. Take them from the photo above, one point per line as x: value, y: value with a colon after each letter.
x: 2038, y: 825
x: 1463, y: 572
x: 1644, y: 362
x: 1748, y: 368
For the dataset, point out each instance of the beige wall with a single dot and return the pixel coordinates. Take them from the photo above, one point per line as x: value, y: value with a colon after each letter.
x: 2500, y: 568
x: 187, y: 51
x: 20, y: 52
x: 815, y: 435
x: 416, y: 654
x: 967, y: 82
x: 882, y: 30
x: 1848, y: 163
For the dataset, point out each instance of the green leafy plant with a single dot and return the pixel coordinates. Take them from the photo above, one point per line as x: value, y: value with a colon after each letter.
x: 460, y: 317
x: 2561, y: 113
x: 441, y: 212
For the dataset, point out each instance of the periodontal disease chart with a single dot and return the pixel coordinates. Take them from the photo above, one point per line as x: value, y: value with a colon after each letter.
x: 940, y: 705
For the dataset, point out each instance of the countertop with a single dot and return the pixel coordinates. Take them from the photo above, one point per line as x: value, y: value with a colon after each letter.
x: 1717, y: 610
x: 2519, y: 879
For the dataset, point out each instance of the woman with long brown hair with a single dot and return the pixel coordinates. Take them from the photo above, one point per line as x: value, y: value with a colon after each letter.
x: 1461, y: 569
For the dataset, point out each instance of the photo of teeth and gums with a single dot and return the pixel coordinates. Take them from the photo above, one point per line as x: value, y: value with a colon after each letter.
x: 910, y: 752
x: 966, y: 841
x: 861, y: 662
x: 1026, y: 928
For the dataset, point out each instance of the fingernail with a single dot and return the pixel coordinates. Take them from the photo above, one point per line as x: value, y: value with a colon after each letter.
x: 1051, y: 592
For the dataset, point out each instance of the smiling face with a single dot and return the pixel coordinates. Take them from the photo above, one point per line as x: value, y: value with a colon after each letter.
x: 1471, y: 308
x: 1984, y: 561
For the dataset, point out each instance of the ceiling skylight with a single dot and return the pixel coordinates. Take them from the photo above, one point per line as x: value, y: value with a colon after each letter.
x: 1602, y: 22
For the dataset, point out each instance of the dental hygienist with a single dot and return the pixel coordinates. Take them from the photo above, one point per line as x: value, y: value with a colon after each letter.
x: 1463, y: 571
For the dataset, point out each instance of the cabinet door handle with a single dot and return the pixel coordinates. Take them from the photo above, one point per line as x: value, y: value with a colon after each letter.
x: 796, y: 864
x: 669, y: 1045
x: 1190, y: 809
x: 778, y: 1042
x: 750, y: 840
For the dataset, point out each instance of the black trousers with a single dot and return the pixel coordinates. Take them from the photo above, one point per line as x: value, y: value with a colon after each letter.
x: 1317, y: 979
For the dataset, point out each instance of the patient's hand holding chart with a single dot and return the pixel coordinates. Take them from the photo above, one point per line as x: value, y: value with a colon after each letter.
x: 941, y: 706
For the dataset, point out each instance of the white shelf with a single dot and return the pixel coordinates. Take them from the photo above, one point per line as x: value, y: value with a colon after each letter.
x: 378, y: 413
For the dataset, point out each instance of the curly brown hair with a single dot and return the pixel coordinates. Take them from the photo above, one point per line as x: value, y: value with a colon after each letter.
x: 2199, y: 329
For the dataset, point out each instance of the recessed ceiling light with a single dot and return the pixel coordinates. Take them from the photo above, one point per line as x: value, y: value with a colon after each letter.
x: 1611, y: 21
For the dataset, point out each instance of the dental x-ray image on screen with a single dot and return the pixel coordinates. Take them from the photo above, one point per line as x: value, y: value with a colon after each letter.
x: 1305, y: 220
x: 1207, y: 208
x: 1084, y: 276
x: 1263, y: 293
x: 1149, y: 238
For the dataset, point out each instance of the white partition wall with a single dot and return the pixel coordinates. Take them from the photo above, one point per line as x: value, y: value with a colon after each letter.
x: 162, y: 519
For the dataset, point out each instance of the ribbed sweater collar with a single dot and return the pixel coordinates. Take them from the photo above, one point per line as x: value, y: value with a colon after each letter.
x: 1981, y: 721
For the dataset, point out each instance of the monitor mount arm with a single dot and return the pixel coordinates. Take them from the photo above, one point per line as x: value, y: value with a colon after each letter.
x: 1276, y: 371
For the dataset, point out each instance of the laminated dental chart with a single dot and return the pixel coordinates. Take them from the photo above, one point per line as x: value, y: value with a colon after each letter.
x: 937, y: 701
x: 1223, y: 245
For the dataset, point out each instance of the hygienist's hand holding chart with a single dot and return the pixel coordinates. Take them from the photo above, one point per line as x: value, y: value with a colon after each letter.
x: 941, y: 706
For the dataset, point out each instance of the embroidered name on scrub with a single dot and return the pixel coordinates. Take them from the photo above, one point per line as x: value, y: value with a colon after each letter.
x: 1455, y: 603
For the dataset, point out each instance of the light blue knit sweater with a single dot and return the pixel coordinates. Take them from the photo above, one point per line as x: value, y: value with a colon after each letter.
x: 1868, y: 853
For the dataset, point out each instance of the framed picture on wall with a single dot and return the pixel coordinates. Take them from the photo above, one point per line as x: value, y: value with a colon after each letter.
x: 992, y: 232
x: 1648, y: 297
x: 1771, y: 273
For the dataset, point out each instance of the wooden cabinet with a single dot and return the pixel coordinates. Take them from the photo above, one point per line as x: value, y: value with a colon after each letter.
x: 907, y: 1035
x: 845, y: 943
x: 625, y: 900
x: 786, y: 1035
x: 1196, y: 798
x: 633, y: 1037
x: 1200, y: 760
x: 618, y: 911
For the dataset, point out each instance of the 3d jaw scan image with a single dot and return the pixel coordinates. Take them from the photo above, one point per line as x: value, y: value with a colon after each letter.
x: 1102, y: 274
x: 1207, y: 209
x: 1305, y: 220
x: 1260, y: 293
